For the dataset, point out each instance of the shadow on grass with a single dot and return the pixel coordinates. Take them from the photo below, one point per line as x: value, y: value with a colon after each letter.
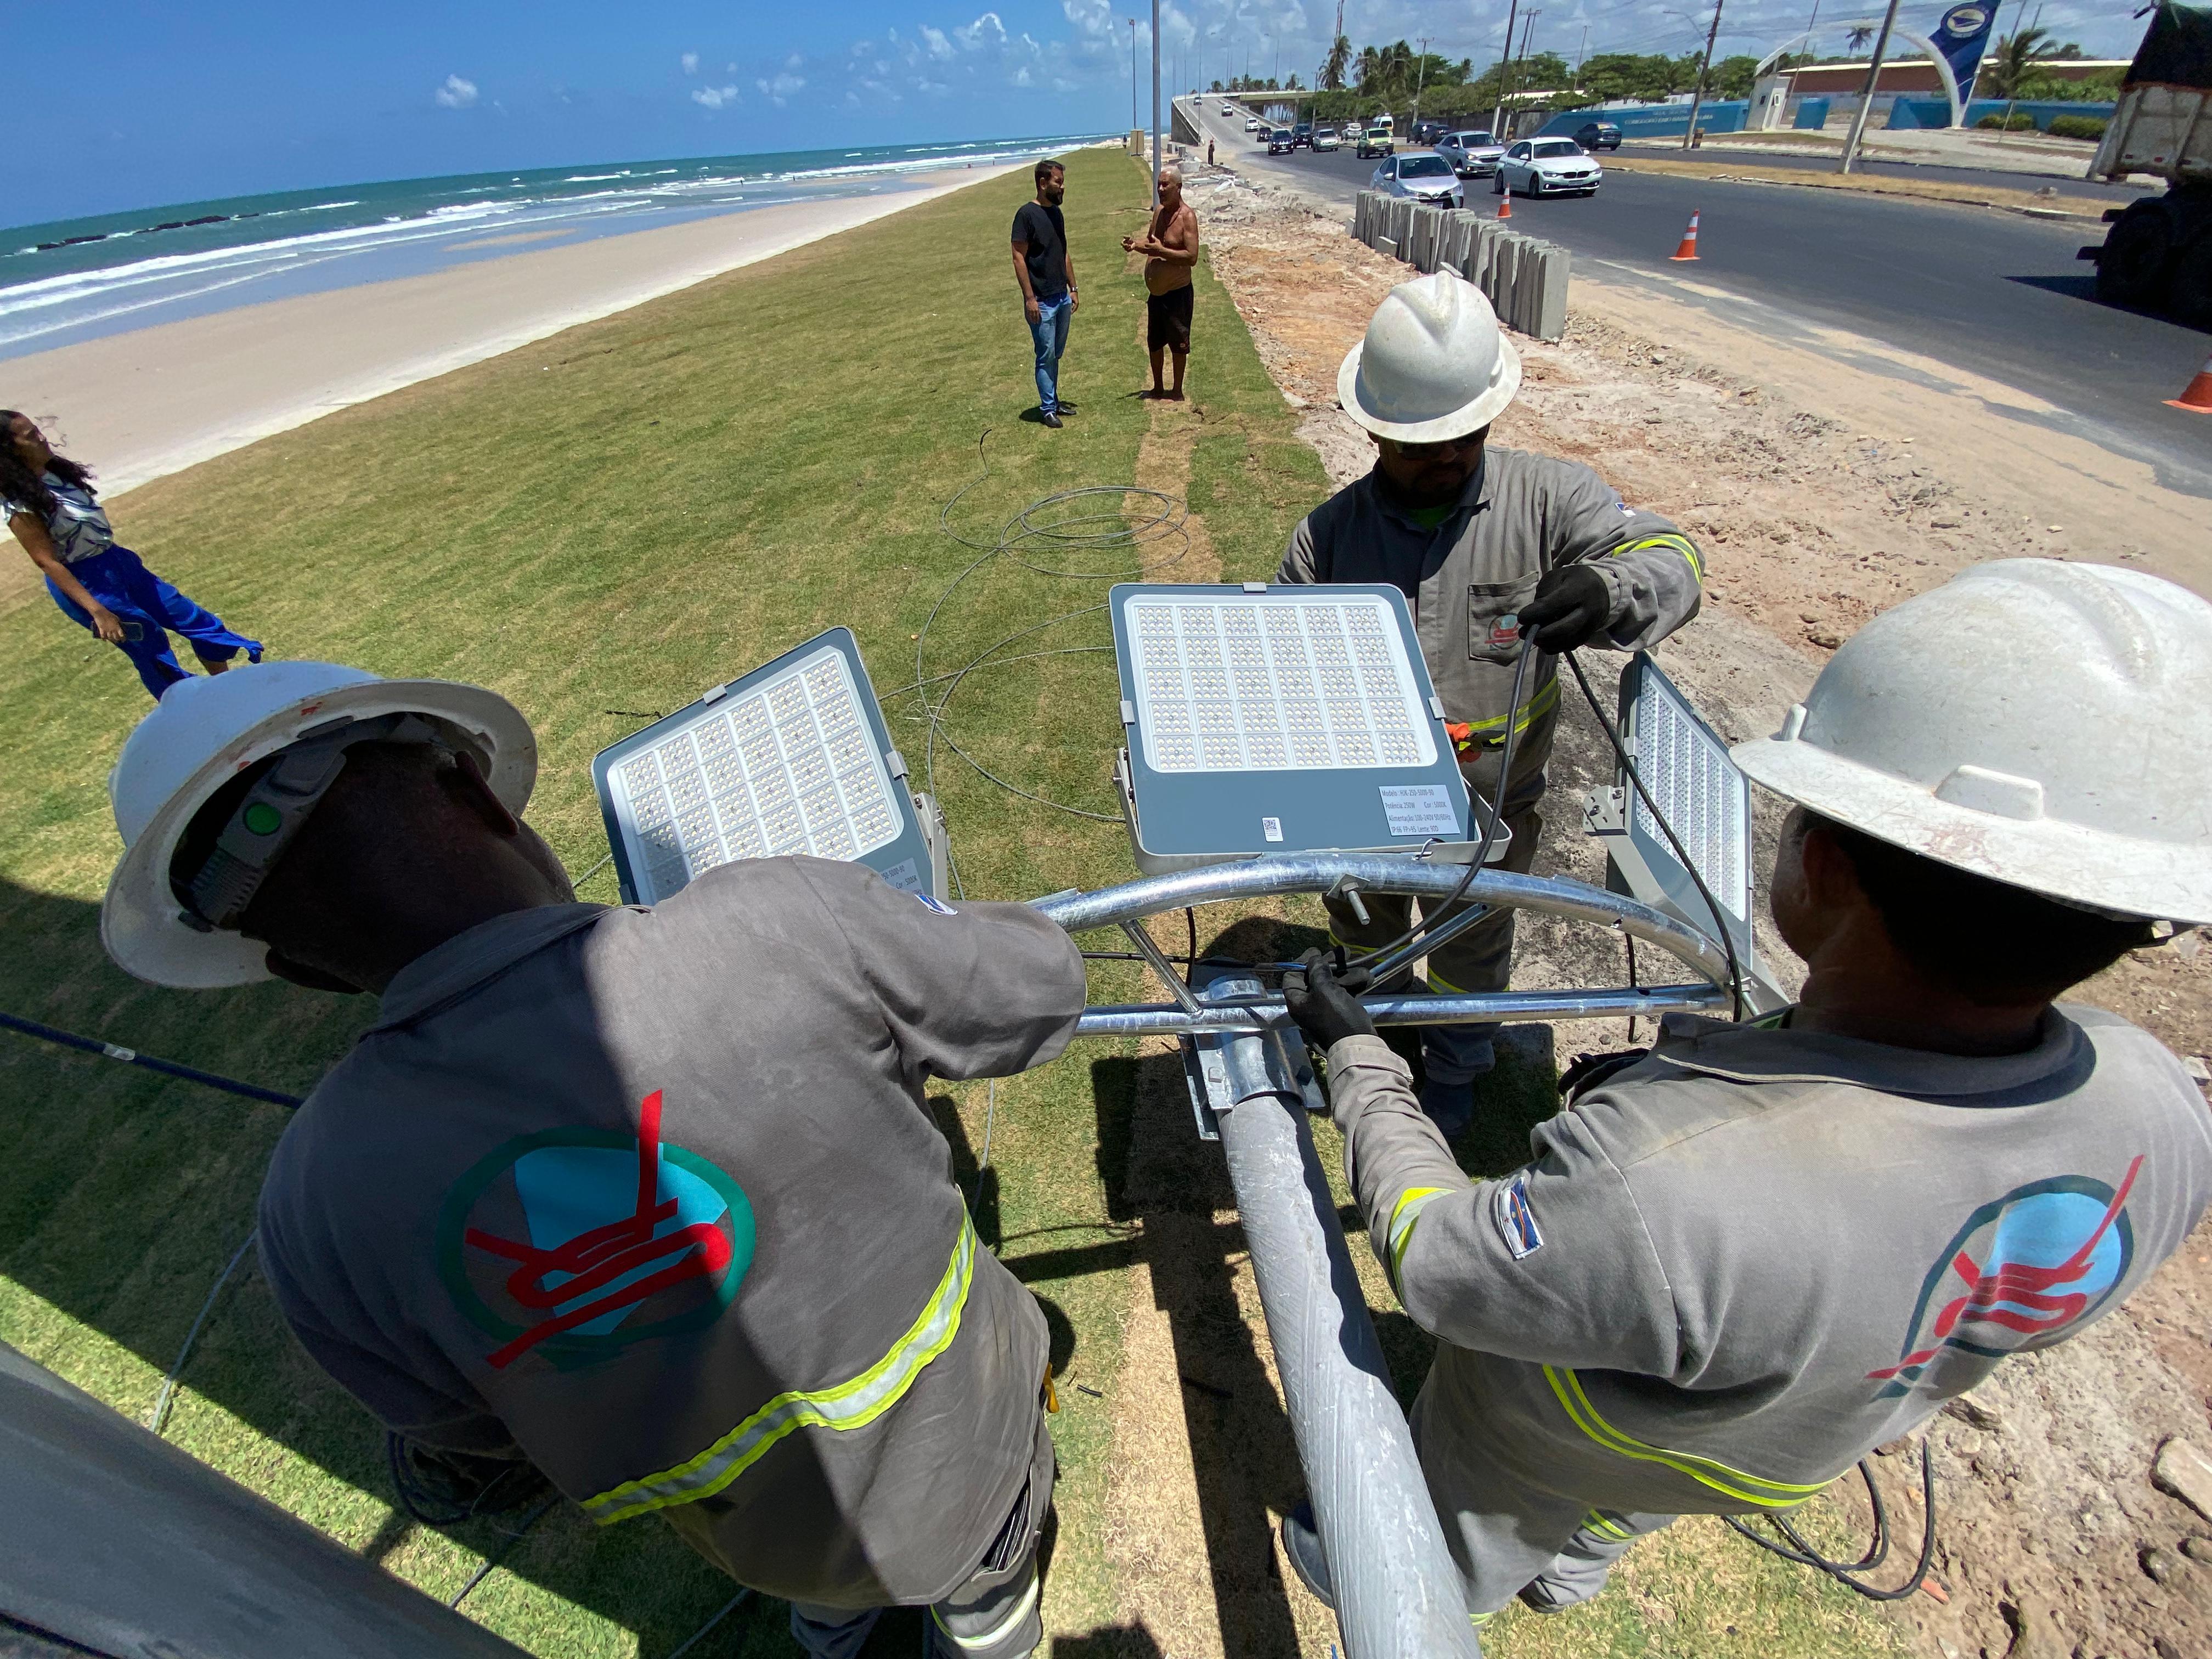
x: 128, y: 1192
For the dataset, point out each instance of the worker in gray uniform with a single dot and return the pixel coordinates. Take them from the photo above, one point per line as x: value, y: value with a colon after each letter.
x: 1485, y: 542
x: 1744, y: 1258
x: 648, y: 1197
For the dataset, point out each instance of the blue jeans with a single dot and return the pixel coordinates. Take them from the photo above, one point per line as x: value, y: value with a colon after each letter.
x: 1049, y: 332
x: 146, y: 606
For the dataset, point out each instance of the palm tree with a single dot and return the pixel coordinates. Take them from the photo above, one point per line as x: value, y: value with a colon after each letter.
x: 1332, y: 66
x: 1857, y: 38
x: 2014, y: 63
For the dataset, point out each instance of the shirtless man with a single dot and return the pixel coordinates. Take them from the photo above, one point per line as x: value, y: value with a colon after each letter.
x: 1170, y: 245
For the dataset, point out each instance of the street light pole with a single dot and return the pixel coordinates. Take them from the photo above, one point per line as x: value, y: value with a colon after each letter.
x: 1866, y: 98
x: 1498, y: 118
x: 1420, y: 80
x: 1154, y: 100
x: 1135, y: 120
x: 1706, y: 68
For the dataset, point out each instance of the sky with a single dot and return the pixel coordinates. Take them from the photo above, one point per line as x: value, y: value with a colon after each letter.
x: 142, y: 105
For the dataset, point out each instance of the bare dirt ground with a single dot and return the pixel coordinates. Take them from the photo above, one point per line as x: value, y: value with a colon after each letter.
x: 1822, y: 492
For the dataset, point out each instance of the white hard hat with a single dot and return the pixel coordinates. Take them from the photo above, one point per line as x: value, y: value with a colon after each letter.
x: 207, y: 730
x: 2040, y: 723
x: 1433, y: 365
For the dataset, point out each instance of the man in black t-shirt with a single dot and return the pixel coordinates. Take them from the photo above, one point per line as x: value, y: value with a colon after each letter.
x: 1047, y: 275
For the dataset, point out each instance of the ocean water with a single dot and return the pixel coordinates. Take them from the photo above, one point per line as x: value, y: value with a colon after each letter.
x: 76, y: 279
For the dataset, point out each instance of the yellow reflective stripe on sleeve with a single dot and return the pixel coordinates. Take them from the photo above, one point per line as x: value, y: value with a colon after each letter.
x: 1546, y: 699
x: 1681, y: 544
x: 1729, y: 1483
x: 1403, y: 1215
x: 848, y: 1405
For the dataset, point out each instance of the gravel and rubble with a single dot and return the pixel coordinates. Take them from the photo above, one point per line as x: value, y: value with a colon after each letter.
x: 2055, y: 1539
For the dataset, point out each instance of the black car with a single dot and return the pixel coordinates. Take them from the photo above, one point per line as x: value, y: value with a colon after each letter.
x: 1302, y: 136
x: 1279, y: 141
x: 1598, y: 134
x: 1427, y: 132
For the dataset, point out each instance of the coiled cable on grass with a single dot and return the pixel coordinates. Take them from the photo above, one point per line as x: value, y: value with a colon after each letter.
x: 1045, y: 537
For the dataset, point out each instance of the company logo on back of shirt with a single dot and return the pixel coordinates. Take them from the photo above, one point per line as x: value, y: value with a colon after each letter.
x: 2023, y: 1273
x: 574, y: 1243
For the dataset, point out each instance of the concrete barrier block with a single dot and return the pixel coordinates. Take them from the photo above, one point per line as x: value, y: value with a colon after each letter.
x: 1401, y: 227
x: 1428, y: 227
x: 1386, y: 247
x: 1549, y: 320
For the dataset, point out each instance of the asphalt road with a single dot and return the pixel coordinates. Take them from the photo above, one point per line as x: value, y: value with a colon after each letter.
x: 1989, y: 292
x: 1928, y: 173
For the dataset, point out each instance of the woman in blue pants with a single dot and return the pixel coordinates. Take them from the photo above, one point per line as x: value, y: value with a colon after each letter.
x: 51, y: 508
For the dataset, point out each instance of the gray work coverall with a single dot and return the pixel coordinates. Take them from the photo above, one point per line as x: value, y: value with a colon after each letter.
x: 1733, y: 1268
x: 653, y: 1196
x: 1467, y: 578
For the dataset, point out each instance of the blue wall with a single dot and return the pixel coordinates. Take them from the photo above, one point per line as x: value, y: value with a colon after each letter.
x: 1936, y: 112
x: 1812, y: 114
x: 1653, y: 120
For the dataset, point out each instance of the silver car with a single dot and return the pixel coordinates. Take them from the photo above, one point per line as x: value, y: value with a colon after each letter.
x: 1422, y: 175
x: 1472, y: 154
x: 1548, y: 166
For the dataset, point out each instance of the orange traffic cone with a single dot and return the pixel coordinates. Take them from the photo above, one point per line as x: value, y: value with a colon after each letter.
x: 1688, y: 250
x: 2197, y: 396
x: 1505, y: 206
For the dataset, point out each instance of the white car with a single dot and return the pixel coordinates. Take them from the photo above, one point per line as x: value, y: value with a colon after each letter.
x: 1548, y: 166
x: 1251, y: 123
x: 1326, y: 138
x: 1422, y: 175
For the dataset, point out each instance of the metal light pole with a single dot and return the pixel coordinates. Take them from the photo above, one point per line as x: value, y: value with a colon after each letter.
x: 1498, y: 118
x: 1420, y: 80
x: 1706, y: 68
x: 1135, y: 118
x: 1155, y: 102
x: 1866, y: 98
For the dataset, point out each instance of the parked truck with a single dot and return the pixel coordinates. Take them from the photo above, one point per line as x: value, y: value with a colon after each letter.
x: 2158, y: 254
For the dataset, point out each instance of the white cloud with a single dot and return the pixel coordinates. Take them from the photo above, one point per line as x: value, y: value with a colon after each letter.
x: 714, y: 97
x: 690, y: 63
x: 1094, y: 18
x: 985, y: 30
x: 783, y: 87
x: 1021, y: 77
x: 456, y: 93
x: 935, y: 40
x: 927, y: 85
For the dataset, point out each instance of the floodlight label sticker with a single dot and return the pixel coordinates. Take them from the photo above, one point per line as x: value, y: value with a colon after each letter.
x: 788, y: 767
x: 1274, y: 683
x: 1419, y: 809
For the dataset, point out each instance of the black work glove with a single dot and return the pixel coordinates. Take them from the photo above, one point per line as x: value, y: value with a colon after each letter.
x: 1569, y: 611
x: 1320, y: 996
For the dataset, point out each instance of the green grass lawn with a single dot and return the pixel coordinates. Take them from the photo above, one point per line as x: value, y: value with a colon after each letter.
x: 599, y: 527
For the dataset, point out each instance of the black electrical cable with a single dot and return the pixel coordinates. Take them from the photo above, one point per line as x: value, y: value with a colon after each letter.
x: 31, y: 1028
x: 1425, y: 925
x: 1846, y: 1574
x: 1636, y: 778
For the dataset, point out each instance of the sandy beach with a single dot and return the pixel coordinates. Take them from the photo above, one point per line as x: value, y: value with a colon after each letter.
x: 139, y: 405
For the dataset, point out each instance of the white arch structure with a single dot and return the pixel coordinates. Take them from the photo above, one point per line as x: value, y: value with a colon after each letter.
x: 1898, y: 31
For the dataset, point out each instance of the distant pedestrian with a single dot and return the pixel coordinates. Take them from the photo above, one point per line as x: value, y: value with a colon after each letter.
x: 1170, y: 245
x: 1209, y: 152
x: 1045, y: 272
x: 51, y: 508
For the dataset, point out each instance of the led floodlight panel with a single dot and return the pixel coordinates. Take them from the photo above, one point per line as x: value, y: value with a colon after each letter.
x: 1279, y: 720
x: 792, y: 757
x: 1686, y: 766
